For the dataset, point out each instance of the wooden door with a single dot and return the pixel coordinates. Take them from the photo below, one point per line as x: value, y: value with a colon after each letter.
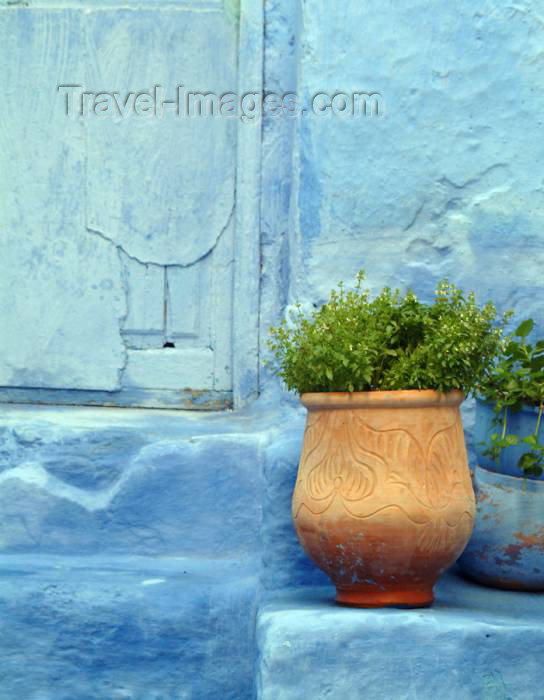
x: 129, y: 242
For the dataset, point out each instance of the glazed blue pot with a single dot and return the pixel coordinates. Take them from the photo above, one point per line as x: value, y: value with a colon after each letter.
x: 506, y: 549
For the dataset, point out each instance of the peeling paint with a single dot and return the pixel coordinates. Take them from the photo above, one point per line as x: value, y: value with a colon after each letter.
x: 532, y: 540
x: 507, y: 546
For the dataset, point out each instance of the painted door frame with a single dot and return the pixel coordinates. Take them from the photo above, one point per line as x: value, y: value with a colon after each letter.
x: 246, y: 286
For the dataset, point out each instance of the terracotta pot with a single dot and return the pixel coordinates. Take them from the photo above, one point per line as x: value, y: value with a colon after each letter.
x: 383, y: 501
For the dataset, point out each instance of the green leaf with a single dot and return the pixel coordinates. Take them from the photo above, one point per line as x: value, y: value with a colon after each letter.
x: 512, y: 348
x: 528, y: 461
x: 537, y: 364
x: 329, y: 374
x: 524, y: 328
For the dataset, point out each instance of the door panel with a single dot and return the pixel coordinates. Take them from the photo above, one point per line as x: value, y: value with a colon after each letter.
x: 143, y: 326
x: 183, y: 302
x: 118, y: 234
x: 60, y: 288
x: 161, y: 186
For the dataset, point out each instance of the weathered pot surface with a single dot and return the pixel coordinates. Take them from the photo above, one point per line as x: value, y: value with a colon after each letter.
x: 506, y: 549
x: 383, y: 501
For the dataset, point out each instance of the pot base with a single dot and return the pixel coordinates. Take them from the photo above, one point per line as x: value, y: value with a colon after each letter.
x: 400, y: 598
x: 504, y: 583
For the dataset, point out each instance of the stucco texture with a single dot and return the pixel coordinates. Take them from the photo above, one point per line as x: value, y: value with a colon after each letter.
x: 448, y: 182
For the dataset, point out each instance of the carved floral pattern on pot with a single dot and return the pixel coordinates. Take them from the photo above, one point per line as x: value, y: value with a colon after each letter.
x: 383, y: 490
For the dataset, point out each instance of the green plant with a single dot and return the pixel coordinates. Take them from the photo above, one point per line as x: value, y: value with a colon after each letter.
x: 355, y: 343
x: 517, y: 380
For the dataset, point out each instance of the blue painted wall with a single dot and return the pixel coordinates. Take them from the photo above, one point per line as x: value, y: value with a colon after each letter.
x: 448, y: 182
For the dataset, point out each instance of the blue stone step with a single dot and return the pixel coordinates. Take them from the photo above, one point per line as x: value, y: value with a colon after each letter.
x: 103, y: 627
x: 87, y: 481
x: 475, y: 643
x: 82, y: 480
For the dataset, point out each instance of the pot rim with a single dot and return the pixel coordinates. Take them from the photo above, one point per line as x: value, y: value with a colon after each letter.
x: 499, y: 479
x: 403, y: 398
x: 526, y: 408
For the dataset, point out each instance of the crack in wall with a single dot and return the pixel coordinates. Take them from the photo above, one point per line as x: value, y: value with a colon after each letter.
x: 97, y: 232
x: 414, y: 218
x: 122, y: 319
x: 527, y: 12
x: 473, y: 180
x: 446, y: 200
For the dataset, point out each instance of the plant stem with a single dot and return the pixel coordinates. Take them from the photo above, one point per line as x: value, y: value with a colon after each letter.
x: 539, y: 419
x: 504, y: 419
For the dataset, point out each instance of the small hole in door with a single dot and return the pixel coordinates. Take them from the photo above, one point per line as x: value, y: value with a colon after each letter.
x: 169, y: 345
